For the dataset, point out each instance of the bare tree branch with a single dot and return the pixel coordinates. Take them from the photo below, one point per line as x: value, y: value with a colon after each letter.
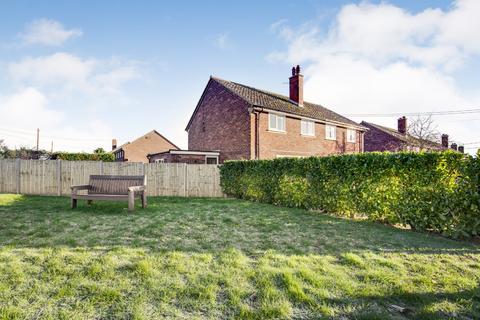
x: 424, y: 130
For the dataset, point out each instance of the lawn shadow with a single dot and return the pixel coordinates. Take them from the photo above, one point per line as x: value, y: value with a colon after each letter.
x: 206, y: 225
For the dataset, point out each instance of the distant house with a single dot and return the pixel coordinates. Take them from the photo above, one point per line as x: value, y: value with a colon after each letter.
x: 380, y: 138
x: 242, y: 122
x: 139, y: 149
x: 185, y: 156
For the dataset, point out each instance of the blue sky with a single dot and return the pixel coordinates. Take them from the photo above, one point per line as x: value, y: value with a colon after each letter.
x: 87, y: 71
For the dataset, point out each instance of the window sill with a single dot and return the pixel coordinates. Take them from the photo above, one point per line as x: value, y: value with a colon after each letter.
x: 308, y: 135
x: 277, y: 131
x: 331, y: 139
x: 352, y: 141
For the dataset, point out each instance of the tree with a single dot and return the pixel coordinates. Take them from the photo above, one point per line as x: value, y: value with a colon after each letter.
x: 424, y: 130
x: 99, y: 150
x: 3, y: 149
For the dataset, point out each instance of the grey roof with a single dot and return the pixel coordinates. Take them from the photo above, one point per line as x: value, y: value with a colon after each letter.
x: 278, y: 102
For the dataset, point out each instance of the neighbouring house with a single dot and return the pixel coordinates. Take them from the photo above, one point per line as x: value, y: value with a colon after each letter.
x: 185, y: 156
x: 139, y: 149
x: 380, y: 138
x: 242, y: 122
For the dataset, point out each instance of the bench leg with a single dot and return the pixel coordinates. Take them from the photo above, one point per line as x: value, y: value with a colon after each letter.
x: 144, y: 200
x: 74, y: 203
x: 131, y: 200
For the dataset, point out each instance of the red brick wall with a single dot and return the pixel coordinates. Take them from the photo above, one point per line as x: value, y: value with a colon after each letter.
x: 222, y: 122
x: 377, y: 140
x: 137, y: 150
x: 292, y: 143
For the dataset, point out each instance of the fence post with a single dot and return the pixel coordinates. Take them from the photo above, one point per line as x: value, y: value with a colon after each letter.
x: 101, y: 167
x: 59, y: 177
x: 18, y: 163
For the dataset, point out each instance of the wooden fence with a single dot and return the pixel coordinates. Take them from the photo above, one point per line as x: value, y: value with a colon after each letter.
x: 55, y: 177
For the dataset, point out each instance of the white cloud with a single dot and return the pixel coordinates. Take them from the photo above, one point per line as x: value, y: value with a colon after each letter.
x: 64, y: 95
x: 59, y: 67
x: 71, y: 72
x: 28, y: 109
x: 47, y: 32
x: 384, y: 59
x: 222, y: 41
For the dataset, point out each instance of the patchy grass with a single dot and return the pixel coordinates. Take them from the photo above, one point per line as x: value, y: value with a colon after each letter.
x: 223, y: 258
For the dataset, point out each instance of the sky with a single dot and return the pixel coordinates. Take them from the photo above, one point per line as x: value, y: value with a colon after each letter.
x: 84, y: 72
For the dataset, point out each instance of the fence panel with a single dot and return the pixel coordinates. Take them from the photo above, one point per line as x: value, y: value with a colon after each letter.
x: 8, y: 176
x: 55, y: 177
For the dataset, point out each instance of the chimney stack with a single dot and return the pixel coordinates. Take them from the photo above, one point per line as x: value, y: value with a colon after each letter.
x: 461, y: 149
x: 445, y: 141
x: 114, y: 144
x: 454, y: 146
x: 296, y: 86
x: 402, y: 125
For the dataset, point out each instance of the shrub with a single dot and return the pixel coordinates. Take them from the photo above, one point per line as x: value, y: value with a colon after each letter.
x: 428, y: 191
x: 83, y: 156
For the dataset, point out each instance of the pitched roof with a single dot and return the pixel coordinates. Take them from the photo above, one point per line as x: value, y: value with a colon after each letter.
x: 277, y: 102
x: 153, y: 131
x: 406, y: 138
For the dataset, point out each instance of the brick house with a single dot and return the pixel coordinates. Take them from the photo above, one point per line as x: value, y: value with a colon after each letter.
x: 247, y: 123
x: 138, y: 149
x: 185, y: 156
x: 380, y: 138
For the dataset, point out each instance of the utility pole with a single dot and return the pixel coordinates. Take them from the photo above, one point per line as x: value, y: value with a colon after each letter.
x: 51, y: 150
x: 38, y: 137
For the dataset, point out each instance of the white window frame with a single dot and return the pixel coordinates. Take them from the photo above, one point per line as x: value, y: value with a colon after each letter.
x: 351, y: 133
x: 327, y: 131
x: 304, y: 126
x: 277, y: 117
x: 161, y: 160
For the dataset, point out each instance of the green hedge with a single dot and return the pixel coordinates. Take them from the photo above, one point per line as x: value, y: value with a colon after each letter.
x: 428, y: 191
x: 83, y: 156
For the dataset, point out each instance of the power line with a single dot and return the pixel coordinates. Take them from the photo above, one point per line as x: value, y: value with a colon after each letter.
x: 32, y: 134
x: 430, y: 113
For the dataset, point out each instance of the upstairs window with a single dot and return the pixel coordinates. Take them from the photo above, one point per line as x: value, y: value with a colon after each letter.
x: 351, y: 135
x: 307, y: 128
x: 276, y: 122
x: 330, y: 132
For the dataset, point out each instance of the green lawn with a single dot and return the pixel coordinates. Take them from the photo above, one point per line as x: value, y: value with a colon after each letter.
x: 221, y: 259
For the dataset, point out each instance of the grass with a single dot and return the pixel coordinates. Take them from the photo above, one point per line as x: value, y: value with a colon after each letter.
x: 220, y: 259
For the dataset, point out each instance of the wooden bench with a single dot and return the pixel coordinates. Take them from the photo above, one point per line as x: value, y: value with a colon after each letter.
x: 116, y: 188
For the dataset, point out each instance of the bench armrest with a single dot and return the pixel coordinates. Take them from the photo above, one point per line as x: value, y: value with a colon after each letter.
x: 81, y: 187
x: 137, y: 188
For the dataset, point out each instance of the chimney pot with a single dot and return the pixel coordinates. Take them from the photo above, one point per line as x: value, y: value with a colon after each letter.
x: 114, y: 144
x: 402, y: 125
x: 296, y: 86
x: 445, y: 141
x: 454, y: 146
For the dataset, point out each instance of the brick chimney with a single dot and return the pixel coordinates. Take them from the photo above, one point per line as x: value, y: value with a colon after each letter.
x: 454, y: 146
x: 445, y: 141
x: 114, y: 144
x: 402, y: 125
x: 296, y: 86
x: 461, y: 149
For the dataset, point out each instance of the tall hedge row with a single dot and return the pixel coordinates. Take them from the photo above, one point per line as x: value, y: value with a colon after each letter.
x: 428, y: 191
